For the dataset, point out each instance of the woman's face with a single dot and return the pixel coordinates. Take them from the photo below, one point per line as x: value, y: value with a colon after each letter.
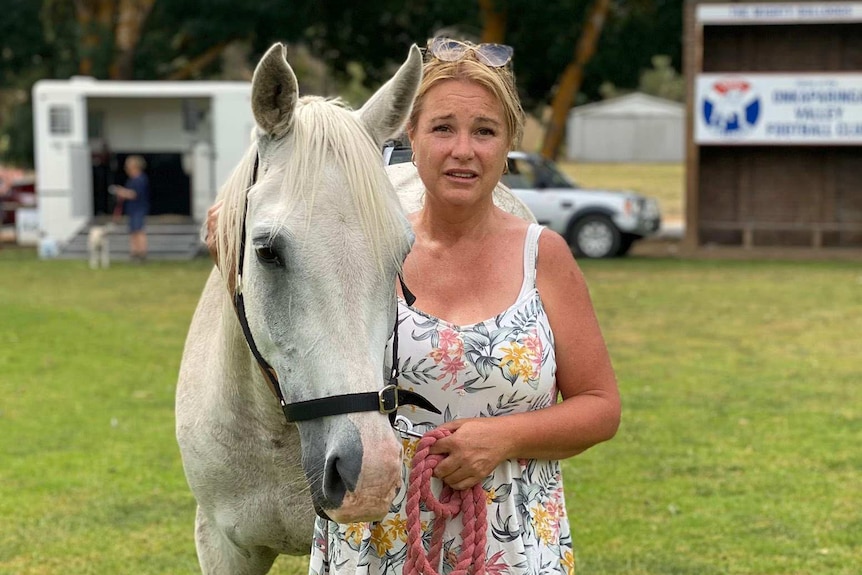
x: 460, y: 142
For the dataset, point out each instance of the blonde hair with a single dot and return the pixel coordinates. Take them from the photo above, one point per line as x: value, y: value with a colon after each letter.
x: 498, y: 81
x: 138, y: 161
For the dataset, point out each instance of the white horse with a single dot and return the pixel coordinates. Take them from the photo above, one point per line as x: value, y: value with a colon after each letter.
x: 311, y: 235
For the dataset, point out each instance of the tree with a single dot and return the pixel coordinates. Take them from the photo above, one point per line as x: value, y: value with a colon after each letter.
x: 635, y: 31
x: 123, y: 39
x: 131, y: 19
x: 94, y: 20
x: 109, y: 32
x: 571, y: 78
x: 349, y: 47
x: 662, y: 80
x: 547, y: 38
x: 379, y: 35
x: 494, y: 16
x: 25, y: 56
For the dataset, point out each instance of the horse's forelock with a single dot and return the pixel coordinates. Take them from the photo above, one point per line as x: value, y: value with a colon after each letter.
x: 233, y: 196
x: 326, y: 132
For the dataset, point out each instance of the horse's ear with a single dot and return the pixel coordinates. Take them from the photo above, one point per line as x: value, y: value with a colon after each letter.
x: 386, y: 111
x: 274, y: 92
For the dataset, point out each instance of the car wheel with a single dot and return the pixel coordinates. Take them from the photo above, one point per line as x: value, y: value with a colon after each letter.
x: 595, y: 237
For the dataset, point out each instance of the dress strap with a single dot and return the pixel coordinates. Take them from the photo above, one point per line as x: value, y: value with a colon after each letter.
x: 531, y: 257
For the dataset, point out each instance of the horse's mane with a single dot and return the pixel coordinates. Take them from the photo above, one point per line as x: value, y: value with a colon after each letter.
x: 325, y: 132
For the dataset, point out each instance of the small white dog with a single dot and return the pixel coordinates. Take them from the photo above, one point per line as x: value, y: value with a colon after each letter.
x: 98, y: 246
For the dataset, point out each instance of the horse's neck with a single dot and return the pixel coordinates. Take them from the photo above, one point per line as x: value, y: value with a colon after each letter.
x: 243, y: 385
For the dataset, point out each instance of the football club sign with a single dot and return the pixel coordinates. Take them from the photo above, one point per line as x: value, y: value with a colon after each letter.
x: 778, y: 109
x: 731, y: 108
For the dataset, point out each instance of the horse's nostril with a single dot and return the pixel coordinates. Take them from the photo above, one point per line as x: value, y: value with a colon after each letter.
x: 340, y: 475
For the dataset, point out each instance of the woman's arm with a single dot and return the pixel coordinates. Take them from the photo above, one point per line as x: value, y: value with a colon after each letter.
x: 590, y: 410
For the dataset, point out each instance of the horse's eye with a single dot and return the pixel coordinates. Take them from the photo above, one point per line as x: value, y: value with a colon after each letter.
x: 267, y: 255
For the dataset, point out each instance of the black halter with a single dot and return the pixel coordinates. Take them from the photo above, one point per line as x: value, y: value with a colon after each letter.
x: 387, y: 400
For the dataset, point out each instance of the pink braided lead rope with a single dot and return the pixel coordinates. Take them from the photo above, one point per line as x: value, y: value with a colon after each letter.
x: 471, y: 504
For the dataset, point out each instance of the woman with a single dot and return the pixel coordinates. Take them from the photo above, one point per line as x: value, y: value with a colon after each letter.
x: 502, y: 323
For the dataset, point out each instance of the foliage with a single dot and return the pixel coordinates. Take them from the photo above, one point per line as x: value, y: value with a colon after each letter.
x: 662, y: 80
x: 538, y: 64
x: 179, y: 31
x: 635, y: 32
x: 379, y: 37
x: 45, y: 39
x: 738, y: 452
x: 18, y: 140
x: 22, y: 44
x: 25, y: 56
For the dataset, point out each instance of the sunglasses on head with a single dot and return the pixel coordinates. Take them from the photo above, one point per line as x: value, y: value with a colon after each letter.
x: 449, y: 50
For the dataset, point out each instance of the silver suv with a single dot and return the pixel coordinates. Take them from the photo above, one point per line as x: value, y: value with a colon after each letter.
x: 596, y: 223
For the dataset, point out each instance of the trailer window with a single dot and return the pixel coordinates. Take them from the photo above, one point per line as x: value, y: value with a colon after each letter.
x: 60, y: 118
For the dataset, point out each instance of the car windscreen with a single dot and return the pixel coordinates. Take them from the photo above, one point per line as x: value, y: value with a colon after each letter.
x: 400, y: 155
x: 552, y: 177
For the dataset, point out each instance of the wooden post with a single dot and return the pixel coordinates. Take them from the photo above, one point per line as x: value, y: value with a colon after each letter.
x: 693, y: 64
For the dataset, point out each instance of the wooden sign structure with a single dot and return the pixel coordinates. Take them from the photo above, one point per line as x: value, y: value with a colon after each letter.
x: 774, y: 126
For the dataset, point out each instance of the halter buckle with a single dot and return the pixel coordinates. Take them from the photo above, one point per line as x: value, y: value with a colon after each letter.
x: 388, y: 399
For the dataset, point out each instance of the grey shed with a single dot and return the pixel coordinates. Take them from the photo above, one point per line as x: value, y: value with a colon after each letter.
x: 631, y: 128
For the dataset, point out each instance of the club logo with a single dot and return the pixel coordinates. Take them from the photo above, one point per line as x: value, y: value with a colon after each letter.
x: 731, y: 108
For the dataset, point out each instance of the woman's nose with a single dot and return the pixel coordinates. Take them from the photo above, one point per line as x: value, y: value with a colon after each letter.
x: 463, y: 147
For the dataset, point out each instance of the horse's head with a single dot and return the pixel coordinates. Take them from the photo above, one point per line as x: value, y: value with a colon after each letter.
x: 324, y: 239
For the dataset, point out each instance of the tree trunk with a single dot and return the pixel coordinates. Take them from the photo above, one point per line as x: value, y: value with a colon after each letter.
x: 95, y: 21
x: 493, y: 21
x: 131, y: 18
x: 200, y: 62
x: 570, y: 81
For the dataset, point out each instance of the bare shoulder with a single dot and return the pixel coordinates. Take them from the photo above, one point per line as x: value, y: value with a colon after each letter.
x: 556, y: 262
x: 559, y: 279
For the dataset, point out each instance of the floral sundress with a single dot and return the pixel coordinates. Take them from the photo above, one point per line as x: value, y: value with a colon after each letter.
x: 495, y: 367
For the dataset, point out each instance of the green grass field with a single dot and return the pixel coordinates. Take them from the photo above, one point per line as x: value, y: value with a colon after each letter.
x: 739, y: 451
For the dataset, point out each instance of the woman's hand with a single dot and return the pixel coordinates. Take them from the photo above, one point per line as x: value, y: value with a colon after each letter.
x: 473, y: 450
